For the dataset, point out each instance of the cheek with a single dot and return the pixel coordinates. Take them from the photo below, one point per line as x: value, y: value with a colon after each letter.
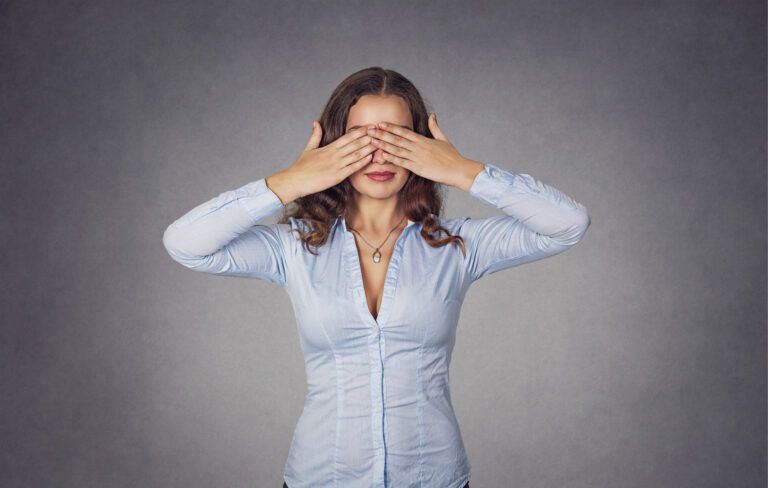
x: 358, y: 175
x: 358, y: 179
x: 403, y: 179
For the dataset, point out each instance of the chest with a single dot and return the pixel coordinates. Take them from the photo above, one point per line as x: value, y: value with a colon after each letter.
x: 342, y: 298
x: 374, y: 273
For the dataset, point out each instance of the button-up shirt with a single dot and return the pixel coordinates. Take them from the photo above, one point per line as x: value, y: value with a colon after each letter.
x: 378, y: 411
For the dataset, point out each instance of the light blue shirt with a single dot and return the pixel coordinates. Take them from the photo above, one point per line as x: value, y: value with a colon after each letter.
x: 378, y: 411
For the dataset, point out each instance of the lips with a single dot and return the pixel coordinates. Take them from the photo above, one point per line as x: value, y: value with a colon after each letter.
x: 381, y: 176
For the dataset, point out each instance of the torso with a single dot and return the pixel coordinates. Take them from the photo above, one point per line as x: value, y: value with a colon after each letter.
x: 399, y: 364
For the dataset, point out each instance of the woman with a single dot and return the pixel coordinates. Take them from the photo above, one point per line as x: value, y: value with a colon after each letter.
x: 376, y: 277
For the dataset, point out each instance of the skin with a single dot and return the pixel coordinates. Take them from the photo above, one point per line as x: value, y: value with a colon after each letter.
x: 384, y: 141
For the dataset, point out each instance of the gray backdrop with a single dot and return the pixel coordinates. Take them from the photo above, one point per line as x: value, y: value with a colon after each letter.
x: 636, y: 359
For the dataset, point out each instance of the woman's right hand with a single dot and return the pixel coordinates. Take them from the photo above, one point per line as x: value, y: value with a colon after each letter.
x: 319, y: 168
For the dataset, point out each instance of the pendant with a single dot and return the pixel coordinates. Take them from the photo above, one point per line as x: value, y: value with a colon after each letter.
x: 376, y: 256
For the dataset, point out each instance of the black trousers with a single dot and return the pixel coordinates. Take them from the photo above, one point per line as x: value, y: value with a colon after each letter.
x: 466, y: 485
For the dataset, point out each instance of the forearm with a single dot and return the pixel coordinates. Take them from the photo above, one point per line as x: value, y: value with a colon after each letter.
x: 540, y: 207
x: 539, y: 221
x: 209, y: 226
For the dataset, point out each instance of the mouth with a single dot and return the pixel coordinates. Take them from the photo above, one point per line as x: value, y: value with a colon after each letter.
x: 380, y: 175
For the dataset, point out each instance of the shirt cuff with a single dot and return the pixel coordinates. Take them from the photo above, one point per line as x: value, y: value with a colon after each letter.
x: 491, y: 183
x: 258, y: 199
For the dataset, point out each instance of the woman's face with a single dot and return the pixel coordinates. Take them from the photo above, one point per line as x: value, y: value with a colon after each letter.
x: 372, y: 109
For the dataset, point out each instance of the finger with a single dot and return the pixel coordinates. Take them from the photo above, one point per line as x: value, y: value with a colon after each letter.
x: 433, y: 127
x: 356, y: 165
x: 390, y: 148
x: 357, y: 154
x: 355, y: 145
x: 393, y: 139
x: 347, y: 138
x: 316, y: 137
x: 400, y: 131
x: 400, y: 161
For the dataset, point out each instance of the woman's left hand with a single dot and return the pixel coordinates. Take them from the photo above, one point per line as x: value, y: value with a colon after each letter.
x: 435, y: 159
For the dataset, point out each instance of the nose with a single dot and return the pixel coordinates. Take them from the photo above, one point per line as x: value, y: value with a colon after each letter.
x: 378, y: 157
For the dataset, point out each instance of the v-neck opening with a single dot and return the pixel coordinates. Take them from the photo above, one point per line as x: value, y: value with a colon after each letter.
x: 355, y: 268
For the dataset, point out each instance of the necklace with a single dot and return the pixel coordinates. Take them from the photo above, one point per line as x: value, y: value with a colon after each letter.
x: 376, y: 256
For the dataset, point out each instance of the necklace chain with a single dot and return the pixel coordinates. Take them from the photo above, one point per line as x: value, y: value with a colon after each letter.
x: 376, y: 256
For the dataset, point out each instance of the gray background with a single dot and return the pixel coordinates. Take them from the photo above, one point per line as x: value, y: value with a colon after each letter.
x: 636, y: 359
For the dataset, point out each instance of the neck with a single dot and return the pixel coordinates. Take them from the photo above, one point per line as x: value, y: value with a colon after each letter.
x: 375, y: 217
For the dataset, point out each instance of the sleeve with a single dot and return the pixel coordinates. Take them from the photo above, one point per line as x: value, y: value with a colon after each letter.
x: 222, y: 236
x: 539, y: 221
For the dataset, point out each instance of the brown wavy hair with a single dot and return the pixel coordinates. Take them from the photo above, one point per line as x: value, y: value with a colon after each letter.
x: 421, y: 198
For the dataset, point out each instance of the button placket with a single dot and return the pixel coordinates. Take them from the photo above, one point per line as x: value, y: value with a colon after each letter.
x: 376, y: 341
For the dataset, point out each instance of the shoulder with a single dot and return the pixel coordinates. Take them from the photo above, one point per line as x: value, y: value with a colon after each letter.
x: 286, y: 233
x: 297, y: 224
x: 289, y: 231
x: 293, y: 229
x: 454, y: 224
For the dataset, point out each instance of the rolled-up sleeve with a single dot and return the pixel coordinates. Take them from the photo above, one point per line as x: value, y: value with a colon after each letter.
x: 222, y: 236
x: 539, y: 221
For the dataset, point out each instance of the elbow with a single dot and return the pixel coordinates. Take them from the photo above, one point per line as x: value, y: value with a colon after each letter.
x: 169, y: 242
x: 576, y: 228
x: 583, y: 223
x: 174, y: 246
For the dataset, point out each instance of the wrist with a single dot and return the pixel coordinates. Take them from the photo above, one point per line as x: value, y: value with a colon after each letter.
x: 469, y: 172
x: 281, y: 185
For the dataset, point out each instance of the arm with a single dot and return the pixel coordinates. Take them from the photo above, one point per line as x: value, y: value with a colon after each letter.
x: 539, y: 221
x: 222, y: 236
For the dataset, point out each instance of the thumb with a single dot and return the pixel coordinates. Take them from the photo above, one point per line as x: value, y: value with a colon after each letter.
x: 432, y: 123
x: 316, y: 137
